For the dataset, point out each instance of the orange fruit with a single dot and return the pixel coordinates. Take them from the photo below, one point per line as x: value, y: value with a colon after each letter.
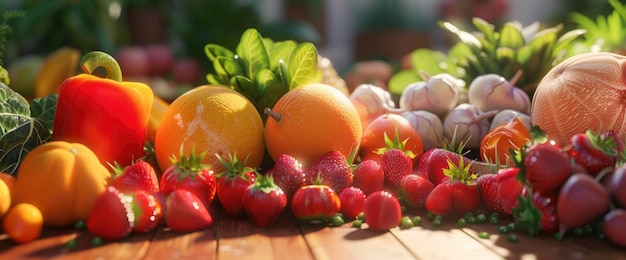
x: 23, y: 223
x: 314, y: 119
x: 374, y: 136
x: 213, y: 119
x: 8, y: 179
x: 5, y: 198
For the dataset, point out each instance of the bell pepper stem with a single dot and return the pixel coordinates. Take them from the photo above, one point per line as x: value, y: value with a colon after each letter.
x: 95, y: 59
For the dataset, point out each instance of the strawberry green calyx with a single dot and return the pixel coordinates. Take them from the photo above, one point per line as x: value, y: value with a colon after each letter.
x: 233, y: 167
x: 451, y: 145
x: 606, y: 145
x: 527, y: 216
x: 117, y: 168
x: 395, y: 144
x: 459, y: 171
x: 189, y: 166
x: 264, y: 183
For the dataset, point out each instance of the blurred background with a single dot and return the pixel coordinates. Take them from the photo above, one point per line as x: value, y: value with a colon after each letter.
x: 345, y: 31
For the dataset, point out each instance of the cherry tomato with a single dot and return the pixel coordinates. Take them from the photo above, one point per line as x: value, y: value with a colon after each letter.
x: 496, y: 145
x: 382, y: 211
x: 23, y: 223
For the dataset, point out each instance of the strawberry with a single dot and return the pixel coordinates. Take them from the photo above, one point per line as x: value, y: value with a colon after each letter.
x: 368, y: 176
x: 333, y: 170
x: 488, y: 188
x: 396, y: 164
x: 536, y: 213
x: 499, y: 192
x: 140, y: 175
x: 437, y: 162
x: 463, y: 189
x: 413, y: 191
x: 189, y: 173
x: 232, y: 183
x: 148, y: 211
x: 288, y: 174
x: 264, y: 201
x: 593, y: 152
x: 509, y: 188
x: 185, y: 211
x: 439, y: 201
x: 460, y: 194
x: 382, y: 211
x: 111, y: 216
x: 543, y: 166
x: 395, y: 161
x: 352, y: 200
x: 315, y: 203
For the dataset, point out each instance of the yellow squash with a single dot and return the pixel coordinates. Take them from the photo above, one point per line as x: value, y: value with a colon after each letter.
x: 61, y: 179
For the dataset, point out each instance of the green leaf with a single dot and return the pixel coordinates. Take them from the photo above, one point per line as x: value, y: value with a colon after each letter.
x: 281, y: 51
x: 19, y: 132
x: 251, y: 51
x: 505, y: 55
x: 302, y: 65
x: 213, y: 51
x: 486, y: 28
x: 246, y: 87
x: 511, y: 37
x: 229, y: 66
x: 265, y: 78
x: 401, y: 80
x: 427, y: 60
x: 43, y: 108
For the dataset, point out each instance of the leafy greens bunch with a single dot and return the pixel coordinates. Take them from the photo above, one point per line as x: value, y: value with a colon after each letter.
x: 534, y: 50
x: 261, y: 69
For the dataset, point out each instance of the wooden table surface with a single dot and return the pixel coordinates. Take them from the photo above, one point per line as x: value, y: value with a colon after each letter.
x: 232, y: 238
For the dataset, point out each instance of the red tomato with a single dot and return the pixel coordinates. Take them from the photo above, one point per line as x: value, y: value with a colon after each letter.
x: 315, y: 203
x: 495, y: 145
x: 382, y: 211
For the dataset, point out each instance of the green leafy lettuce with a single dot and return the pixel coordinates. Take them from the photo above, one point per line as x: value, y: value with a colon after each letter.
x: 23, y: 126
x: 261, y: 69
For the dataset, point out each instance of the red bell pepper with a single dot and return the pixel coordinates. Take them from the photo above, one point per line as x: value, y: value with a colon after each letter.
x: 105, y: 114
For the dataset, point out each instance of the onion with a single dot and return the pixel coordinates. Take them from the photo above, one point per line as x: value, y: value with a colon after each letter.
x: 428, y: 125
x: 584, y: 92
x: 493, y: 92
x: 505, y: 116
x: 438, y: 94
x: 466, y: 123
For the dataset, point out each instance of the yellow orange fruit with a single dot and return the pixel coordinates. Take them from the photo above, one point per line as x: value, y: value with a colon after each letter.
x: 5, y: 198
x: 23, y: 223
x: 314, y: 119
x: 213, y: 119
x: 8, y: 179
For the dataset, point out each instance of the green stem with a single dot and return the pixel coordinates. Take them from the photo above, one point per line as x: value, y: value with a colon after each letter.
x: 95, y: 59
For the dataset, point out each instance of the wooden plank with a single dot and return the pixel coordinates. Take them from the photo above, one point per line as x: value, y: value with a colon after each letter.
x: 443, y: 242
x: 168, y: 244
x: 544, y: 246
x: 240, y: 239
x: 53, y: 243
x: 345, y: 242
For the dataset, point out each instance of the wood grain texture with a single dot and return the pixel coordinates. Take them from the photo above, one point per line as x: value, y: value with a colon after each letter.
x: 238, y: 238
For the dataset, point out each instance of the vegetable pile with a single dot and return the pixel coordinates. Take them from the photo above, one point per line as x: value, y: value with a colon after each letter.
x: 470, y: 147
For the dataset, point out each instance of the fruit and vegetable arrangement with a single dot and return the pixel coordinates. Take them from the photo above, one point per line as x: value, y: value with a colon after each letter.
x: 269, y: 134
